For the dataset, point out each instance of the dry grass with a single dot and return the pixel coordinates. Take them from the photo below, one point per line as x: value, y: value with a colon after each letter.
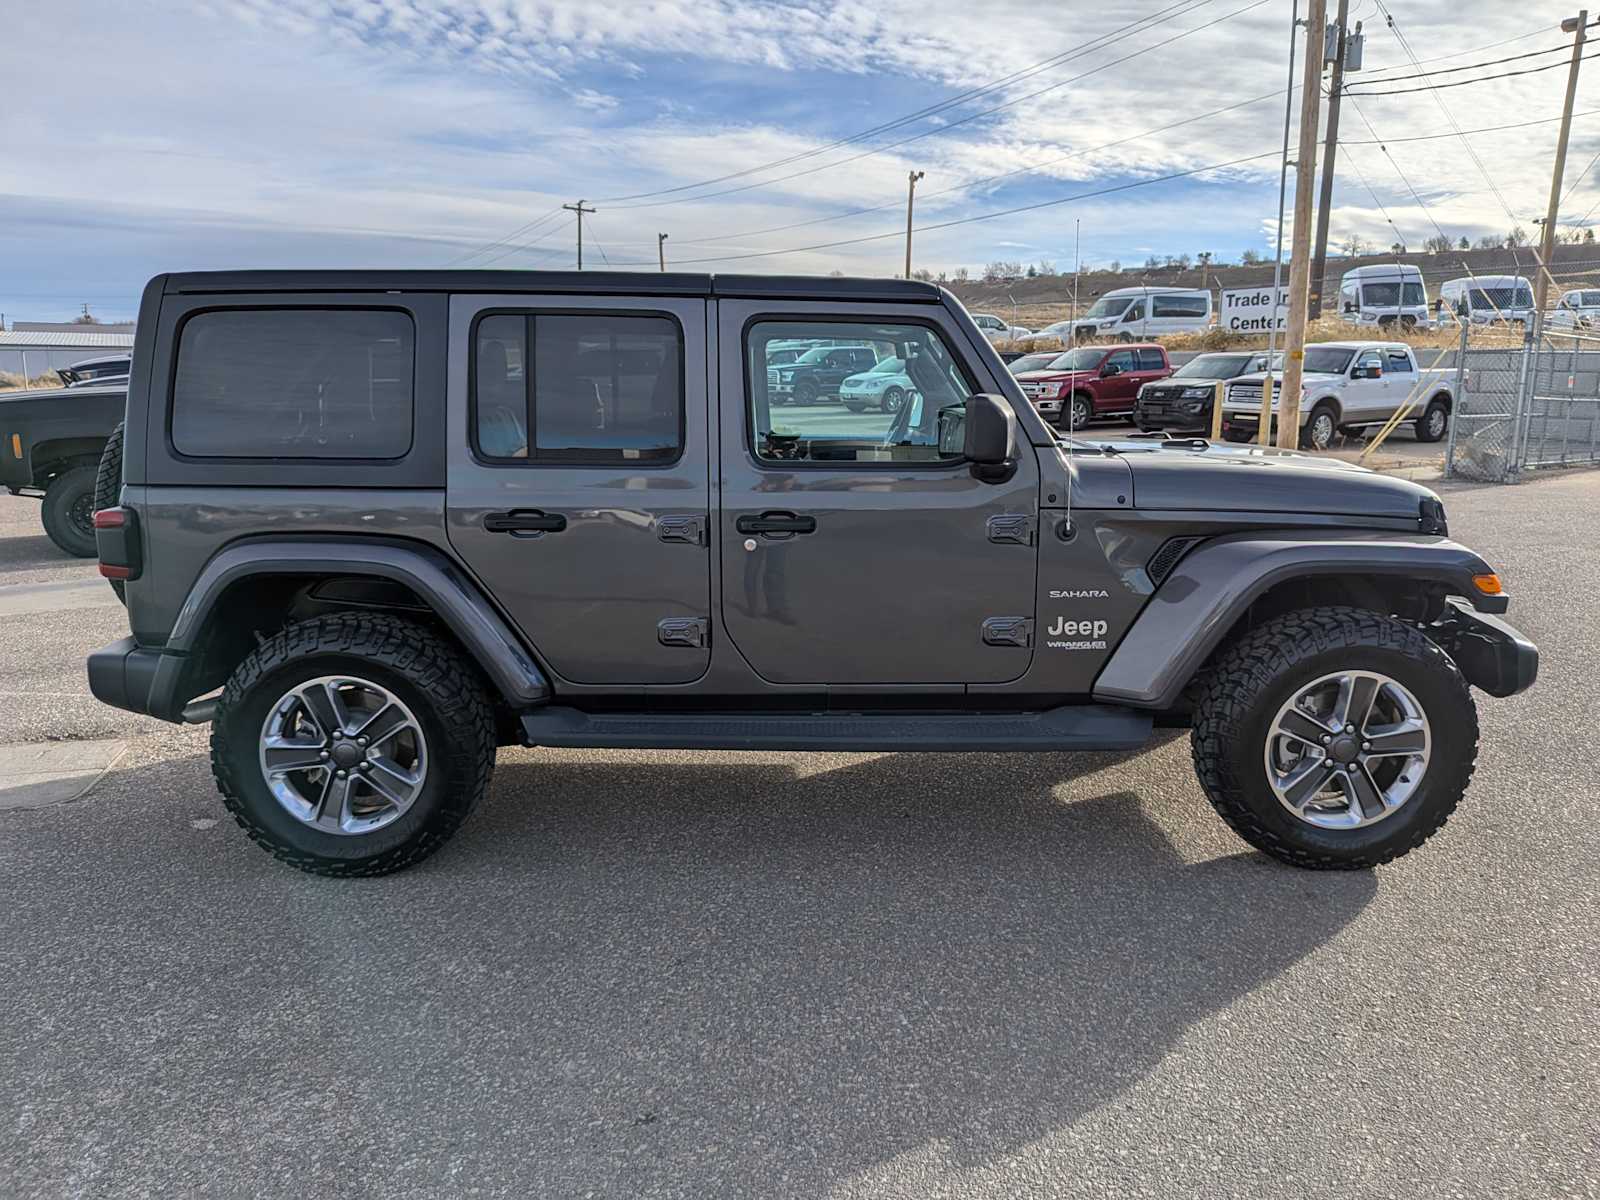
x: 9, y: 381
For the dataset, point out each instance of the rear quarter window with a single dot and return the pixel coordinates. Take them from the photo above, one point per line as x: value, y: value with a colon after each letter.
x: 294, y: 383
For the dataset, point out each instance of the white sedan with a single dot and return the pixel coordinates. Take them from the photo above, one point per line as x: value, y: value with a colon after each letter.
x: 885, y: 388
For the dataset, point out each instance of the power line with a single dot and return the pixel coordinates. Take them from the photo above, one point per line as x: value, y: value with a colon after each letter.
x: 520, y: 231
x: 1433, y: 137
x: 945, y: 128
x: 971, y: 183
x: 988, y: 216
x: 1433, y: 87
x: 931, y: 110
x: 1492, y: 62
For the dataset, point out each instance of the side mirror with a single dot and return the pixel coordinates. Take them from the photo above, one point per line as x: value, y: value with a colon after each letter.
x: 1110, y: 369
x: 990, y: 438
x: 1349, y: 306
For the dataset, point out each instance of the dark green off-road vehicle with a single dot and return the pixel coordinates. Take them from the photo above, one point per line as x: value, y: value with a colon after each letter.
x: 372, y: 525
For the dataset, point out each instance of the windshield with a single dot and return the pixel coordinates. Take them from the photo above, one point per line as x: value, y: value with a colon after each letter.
x: 1109, y: 306
x: 1085, y: 358
x: 1324, y: 360
x: 814, y: 355
x: 1388, y: 295
x: 888, y: 366
x: 1502, y: 297
x: 1032, y: 362
x: 1214, y: 366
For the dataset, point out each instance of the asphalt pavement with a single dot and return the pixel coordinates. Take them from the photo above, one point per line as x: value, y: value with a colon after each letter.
x: 774, y: 975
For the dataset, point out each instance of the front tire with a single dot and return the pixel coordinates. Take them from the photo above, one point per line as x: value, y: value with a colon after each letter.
x: 892, y: 400
x: 68, y: 511
x: 805, y: 393
x: 289, y: 758
x: 1319, y: 430
x: 1079, y: 411
x: 1271, y: 747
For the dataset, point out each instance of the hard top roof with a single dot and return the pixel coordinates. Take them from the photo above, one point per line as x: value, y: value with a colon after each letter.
x: 604, y: 283
x: 1488, y: 281
x: 1380, y: 270
x: 1145, y: 289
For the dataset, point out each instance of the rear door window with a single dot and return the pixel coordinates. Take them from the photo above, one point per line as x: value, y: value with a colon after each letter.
x: 294, y: 383
x: 590, y: 387
x: 1150, y: 360
x: 1181, y: 306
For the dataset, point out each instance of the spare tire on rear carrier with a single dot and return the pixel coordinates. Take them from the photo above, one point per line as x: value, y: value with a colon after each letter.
x: 108, y: 488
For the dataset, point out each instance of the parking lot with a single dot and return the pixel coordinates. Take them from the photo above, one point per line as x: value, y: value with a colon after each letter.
x: 725, y: 974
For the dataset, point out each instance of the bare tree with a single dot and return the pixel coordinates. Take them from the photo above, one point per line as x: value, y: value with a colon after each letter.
x: 1517, y: 237
x: 1437, y: 244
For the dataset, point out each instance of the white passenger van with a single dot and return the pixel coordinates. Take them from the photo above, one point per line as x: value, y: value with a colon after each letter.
x: 1383, y: 295
x: 1134, y: 314
x: 1489, y: 299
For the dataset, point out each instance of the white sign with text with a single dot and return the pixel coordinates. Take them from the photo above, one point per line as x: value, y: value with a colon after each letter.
x: 1250, y: 310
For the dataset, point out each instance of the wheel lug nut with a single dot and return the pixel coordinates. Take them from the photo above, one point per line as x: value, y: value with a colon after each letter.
x: 1326, y: 738
x: 1349, y: 728
x: 1366, y: 745
x: 341, y: 774
x: 361, y: 741
x: 323, y: 754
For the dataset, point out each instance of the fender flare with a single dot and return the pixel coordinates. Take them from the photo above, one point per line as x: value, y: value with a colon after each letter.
x: 1213, y: 585
x: 446, y: 589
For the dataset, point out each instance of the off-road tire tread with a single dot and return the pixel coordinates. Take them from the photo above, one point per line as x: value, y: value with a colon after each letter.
x: 108, y: 486
x: 430, y: 664
x: 1243, y: 671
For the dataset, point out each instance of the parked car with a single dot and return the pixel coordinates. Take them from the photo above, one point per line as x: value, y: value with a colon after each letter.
x: 996, y: 330
x: 1489, y: 299
x: 1349, y: 385
x: 781, y: 354
x: 1183, y: 402
x: 817, y: 373
x: 1384, y: 294
x: 1061, y: 330
x: 1136, y: 313
x: 50, y: 445
x: 111, y: 369
x: 368, y: 563
x: 1578, y: 309
x: 885, y: 387
x: 1093, y: 381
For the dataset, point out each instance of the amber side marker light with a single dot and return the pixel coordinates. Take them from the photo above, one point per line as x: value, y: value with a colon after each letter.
x: 1489, y: 584
x: 16, y: 445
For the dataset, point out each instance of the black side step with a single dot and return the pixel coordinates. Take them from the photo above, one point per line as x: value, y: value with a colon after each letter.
x: 1081, y: 727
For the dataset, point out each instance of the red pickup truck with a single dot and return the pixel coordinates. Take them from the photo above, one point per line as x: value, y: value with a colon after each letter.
x: 1093, y: 381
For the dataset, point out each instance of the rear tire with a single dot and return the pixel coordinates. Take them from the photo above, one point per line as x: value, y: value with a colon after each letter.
x: 1242, y: 701
x: 68, y: 511
x: 411, y: 665
x: 108, y: 489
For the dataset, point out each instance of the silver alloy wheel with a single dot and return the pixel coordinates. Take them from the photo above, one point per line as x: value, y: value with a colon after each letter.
x: 1080, y: 412
x: 1322, y: 430
x: 343, y: 755
x: 1436, y: 421
x: 1347, y: 749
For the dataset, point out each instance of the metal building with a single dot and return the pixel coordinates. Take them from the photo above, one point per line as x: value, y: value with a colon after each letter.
x: 30, y: 354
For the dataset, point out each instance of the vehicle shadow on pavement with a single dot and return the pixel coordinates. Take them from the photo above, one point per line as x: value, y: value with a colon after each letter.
x: 742, y: 976
x: 26, y: 553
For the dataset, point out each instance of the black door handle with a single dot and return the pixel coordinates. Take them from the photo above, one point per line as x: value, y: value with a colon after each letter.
x: 776, y: 522
x: 524, y: 520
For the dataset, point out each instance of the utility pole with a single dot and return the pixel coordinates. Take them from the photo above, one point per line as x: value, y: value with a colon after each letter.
x: 1264, y: 421
x: 1305, y: 182
x: 911, y: 196
x: 661, y: 249
x: 1330, y: 150
x: 580, y: 210
x: 1547, y: 243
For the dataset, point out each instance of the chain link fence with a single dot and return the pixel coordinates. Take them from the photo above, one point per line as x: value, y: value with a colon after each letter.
x: 1520, y: 409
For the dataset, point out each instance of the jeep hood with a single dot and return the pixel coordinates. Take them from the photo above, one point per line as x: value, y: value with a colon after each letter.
x: 1229, y: 478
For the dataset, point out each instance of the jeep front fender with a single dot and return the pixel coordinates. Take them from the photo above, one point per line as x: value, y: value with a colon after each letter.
x: 1211, y: 588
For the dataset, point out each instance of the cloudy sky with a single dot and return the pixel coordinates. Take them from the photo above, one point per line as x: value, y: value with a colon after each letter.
x: 760, y: 135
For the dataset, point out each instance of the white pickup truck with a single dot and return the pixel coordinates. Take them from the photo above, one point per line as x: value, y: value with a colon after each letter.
x: 1348, y: 385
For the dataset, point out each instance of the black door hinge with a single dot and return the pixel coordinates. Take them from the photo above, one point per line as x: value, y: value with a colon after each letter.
x: 1011, y: 527
x: 1008, y: 631
x: 683, y: 631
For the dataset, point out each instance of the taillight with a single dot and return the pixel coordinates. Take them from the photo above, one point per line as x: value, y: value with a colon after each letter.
x: 116, y: 539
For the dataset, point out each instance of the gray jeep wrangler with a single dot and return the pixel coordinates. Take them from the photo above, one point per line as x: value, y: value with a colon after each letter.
x: 372, y: 525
